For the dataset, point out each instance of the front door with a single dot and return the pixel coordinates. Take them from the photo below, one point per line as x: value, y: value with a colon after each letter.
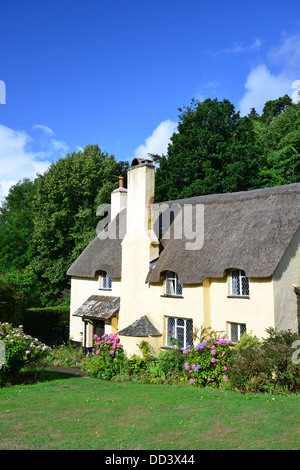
x: 99, y: 328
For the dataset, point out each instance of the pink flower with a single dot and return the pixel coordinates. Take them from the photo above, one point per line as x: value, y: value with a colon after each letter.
x: 208, y: 379
x: 213, y: 352
x: 224, y: 368
x: 192, y: 381
x: 98, y: 352
x: 111, y: 352
x: 225, y: 377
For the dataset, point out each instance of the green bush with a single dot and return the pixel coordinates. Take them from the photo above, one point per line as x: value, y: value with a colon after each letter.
x: 207, y: 362
x: 65, y: 355
x: 20, y: 350
x: 49, y: 324
x: 266, y: 365
x: 170, y: 361
x: 107, y: 359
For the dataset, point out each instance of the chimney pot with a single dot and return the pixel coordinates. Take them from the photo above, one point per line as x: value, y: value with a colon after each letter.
x: 121, y: 181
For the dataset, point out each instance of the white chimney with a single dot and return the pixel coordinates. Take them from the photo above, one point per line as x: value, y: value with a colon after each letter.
x: 118, y: 198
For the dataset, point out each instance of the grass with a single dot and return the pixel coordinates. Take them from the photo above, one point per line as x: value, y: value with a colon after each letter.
x: 76, y: 413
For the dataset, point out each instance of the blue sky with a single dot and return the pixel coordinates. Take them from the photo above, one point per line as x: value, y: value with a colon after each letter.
x: 114, y: 73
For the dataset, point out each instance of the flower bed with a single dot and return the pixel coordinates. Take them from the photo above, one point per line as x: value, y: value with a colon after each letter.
x: 19, y: 350
x: 207, y: 362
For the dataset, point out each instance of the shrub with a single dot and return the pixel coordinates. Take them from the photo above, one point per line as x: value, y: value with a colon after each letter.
x: 20, y: 350
x: 107, y: 359
x: 207, y: 362
x: 49, y: 324
x: 260, y: 366
x: 65, y: 355
x: 170, y: 360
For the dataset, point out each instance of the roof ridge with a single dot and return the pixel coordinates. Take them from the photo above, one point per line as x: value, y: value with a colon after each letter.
x: 238, y: 195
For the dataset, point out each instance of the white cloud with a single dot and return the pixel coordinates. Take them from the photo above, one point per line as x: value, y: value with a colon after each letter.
x: 22, y: 156
x: 238, y: 48
x: 46, y: 129
x: 262, y: 84
x: 287, y: 54
x: 158, y: 142
x: 60, y: 145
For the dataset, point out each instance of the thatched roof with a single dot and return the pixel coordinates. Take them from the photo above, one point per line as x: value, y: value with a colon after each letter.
x: 141, y: 327
x: 98, y: 307
x: 247, y: 230
x: 102, y: 254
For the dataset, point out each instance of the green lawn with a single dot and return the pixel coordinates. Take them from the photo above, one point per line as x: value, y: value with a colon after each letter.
x: 78, y: 413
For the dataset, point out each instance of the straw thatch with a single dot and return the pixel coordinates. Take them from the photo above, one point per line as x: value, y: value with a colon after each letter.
x: 102, y: 254
x: 248, y: 230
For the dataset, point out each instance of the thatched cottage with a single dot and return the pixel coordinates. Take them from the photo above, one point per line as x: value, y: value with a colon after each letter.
x: 226, y: 261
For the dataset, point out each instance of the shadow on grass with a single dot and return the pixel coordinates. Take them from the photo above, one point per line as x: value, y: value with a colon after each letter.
x: 31, y: 375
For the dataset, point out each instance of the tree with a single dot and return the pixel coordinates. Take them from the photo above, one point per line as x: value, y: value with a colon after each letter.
x: 280, y: 143
x: 274, y: 108
x: 214, y: 150
x: 65, y: 220
x: 16, y: 226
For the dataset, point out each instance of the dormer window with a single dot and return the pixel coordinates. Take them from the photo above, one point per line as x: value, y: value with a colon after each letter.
x: 239, y: 283
x: 105, y: 282
x: 173, y: 287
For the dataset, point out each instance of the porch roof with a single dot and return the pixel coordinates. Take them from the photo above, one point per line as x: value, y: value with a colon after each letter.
x: 141, y: 327
x: 98, y: 307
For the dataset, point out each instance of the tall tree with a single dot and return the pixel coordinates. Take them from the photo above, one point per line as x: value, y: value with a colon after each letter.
x: 214, y: 150
x: 16, y: 226
x: 279, y: 140
x: 65, y: 205
x: 274, y: 108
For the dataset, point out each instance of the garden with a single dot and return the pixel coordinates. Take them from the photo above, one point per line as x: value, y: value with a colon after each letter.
x: 252, y: 365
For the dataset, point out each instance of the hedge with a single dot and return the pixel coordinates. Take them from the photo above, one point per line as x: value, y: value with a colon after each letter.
x: 49, y: 324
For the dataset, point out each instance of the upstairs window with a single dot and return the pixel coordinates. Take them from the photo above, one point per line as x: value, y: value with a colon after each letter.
x: 105, y: 282
x: 239, y: 283
x: 173, y: 287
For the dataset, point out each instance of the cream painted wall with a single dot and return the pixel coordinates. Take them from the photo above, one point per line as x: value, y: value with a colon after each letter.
x: 286, y: 276
x: 257, y: 312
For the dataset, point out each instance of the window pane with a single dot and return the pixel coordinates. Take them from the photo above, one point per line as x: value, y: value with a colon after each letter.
x: 242, y: 330
x: 178, y: 288
x: 171, y: 328
x: 245, y: 286
x: 235, y: 282
x: 170, y: 287
x: 180, y: 336
x: 234, y: 332
x: 189, y: 332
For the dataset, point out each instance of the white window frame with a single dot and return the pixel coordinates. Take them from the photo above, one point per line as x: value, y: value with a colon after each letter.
x: 177, y: 328
x: 105, y: 282
x: 173, y: 287
x: 239, y: 290
x: 240, y: 327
